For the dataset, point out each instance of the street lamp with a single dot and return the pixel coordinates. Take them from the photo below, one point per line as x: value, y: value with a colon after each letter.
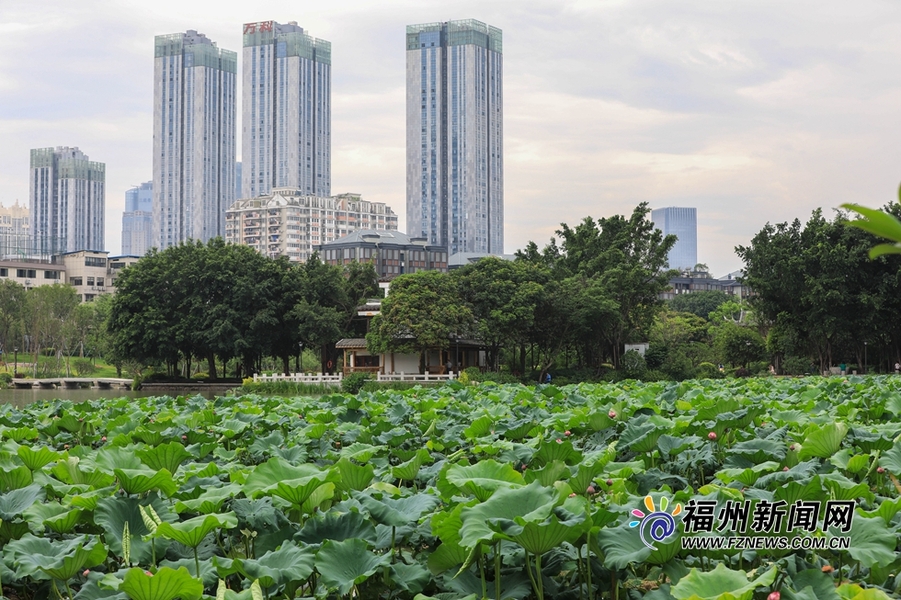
x: 16, y: 361
x: 299, y: 357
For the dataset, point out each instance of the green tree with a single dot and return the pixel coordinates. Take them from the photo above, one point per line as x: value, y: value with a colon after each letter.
x: 12, y: 312
x: 421, y: 313
x: 739, y: 345
x: 504, y: 297
x: 699, y: 303
x: 49, y: 309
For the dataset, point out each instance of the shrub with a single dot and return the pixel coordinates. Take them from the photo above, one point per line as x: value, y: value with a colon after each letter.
x: 6, y: 378
x: 353, y: 383
x: 708, y: 370
x: 742, y: 372
x: 797, y: 365
x: 201, y: 376
x: 633, y: 364
x: 83, y: 366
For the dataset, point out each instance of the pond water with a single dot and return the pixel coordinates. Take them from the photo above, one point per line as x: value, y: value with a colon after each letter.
x: 20, y: 398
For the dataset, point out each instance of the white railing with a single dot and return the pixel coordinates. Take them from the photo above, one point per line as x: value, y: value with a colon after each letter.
x: 416, y: 377
x: 302, y: 378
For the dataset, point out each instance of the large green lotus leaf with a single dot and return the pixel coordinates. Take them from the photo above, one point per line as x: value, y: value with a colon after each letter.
x: 640, y: 436
x: 549, y: 474
x: 54, y: 515
x: 345, y: 564
x: 354, y: 477
x: 793, y: 491
x: 820, y: 585
x: 231, y: 427
x: 410, y: 578
x: 299, y: 491
x: 337, y: 526
x: 622, y: 546
x: 720, y: 584
x: 88, y: 500
x: 191, y: 532
x: 872, y: 543
x: 276, y: 568
x: 887, y: 510
x: 409, y: 470
x: 34, y: 556
x: 165, y: 456
x: 360, y: 451
x: 114, y: 512
x: 15, y: 502
x: 446, y: 526
x: 15, y: 477
x: 274, y: 471
x: 479, y: 427
x: 18, y: 434
x: 396, y: 512
x: 209, y: 501
x: 165, y: 584
x: 852, y: 591
x: 551, y: 450
x: 759, y: 450
x: 533, y: 502
x: 891, y: 460
x: 141, y: 481
x: 583, y: 475
x: 842, y: 488
x: 823, y: 442
x: 541, y: 537
x: 483, y: 478
x: 747, y: 476
x: 72, y: 472
x: 35, y: 459
x: 110, y: 458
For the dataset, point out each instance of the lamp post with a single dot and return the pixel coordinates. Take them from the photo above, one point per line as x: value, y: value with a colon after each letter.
x: 16, y: 361
x: 865, y: 342
x: 299, y: 357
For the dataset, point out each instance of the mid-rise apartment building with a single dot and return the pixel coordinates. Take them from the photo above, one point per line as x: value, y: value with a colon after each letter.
x: 392, y: 253
x: 288, y: 222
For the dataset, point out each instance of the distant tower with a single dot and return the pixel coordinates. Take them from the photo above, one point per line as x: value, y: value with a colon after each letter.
x: 455, y: 136
x: 67, y: 201
x: 286, y: 119
x: 137, y: 220
x: 683, y: 223
x: 194, y: 100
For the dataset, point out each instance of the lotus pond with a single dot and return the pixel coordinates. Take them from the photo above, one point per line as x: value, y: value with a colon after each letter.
x: 462, y: 492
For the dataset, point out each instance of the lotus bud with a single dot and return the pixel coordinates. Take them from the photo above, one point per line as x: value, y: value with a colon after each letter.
x: 86, y: 572
x: 785, y: 468
x: 591, y: 490
x: 609, y: 482
x: 827, y: 569
x: 612, y: 414
x: 880, y: 470
x: 711, y: 435
x: 774, y: 596
x: 567, y: 433
x: 559, y: 441
x: 103, y: 439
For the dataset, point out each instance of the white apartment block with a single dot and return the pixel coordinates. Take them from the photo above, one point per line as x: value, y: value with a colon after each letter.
x: 14, y: 230
x: 290, y: 223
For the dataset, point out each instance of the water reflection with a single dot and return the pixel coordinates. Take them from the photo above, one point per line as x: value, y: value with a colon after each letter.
x: 20, y: 398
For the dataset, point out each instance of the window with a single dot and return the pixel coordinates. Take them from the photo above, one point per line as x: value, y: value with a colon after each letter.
x: 75, y: 280
x: 100, y: 282
x: 51, y: 274
x: 29, y: 273
x: 90, y: 281
x: 4, y: 272
x: 94, y: 261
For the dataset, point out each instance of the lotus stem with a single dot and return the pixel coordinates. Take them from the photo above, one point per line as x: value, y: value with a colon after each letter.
x: 196, y: 564
x: 895, y: 482
x: 497, y: 571
x: 538, y: 575
x: 482, y: 574
x: 531, y: 577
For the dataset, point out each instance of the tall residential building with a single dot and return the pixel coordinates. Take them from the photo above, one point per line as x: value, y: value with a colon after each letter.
x: 194, y: 98
x: 683, y: 223
x: 290, y: 223
x: 67, y: 200
x: 286, y: 119
x: 455, y: 136
x: 137, y: 220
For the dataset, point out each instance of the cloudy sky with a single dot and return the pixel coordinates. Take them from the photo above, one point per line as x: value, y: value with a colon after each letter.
x: 750, y: 110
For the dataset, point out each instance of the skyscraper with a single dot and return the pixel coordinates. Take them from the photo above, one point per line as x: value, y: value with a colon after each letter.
x: 137, y: 220
x: 455, y: 136
x: 67, y: 201
x: 193, y: 137
x: 286, y: 120
x: 683, y: 223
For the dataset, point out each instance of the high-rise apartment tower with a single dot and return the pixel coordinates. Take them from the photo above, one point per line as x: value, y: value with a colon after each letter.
x: 286, y: 120
x: 67, y: 201
x: 194, y: 99
x: 455, y: 136
x: 683, y: 223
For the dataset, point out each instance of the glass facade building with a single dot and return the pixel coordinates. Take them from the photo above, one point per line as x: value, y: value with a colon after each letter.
x: 137, y: 220
x: 683, y: 223
x: 286, y: 119
x: 67, y: 200
x: 194, y: 96
x: 455, y: 137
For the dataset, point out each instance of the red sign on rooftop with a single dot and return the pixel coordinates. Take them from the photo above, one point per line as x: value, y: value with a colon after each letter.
x: 261, y: 27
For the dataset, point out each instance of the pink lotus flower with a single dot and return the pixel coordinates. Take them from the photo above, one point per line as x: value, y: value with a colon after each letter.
x: 612, y: 414
x: 774, y: 596
x: 711, y: 435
